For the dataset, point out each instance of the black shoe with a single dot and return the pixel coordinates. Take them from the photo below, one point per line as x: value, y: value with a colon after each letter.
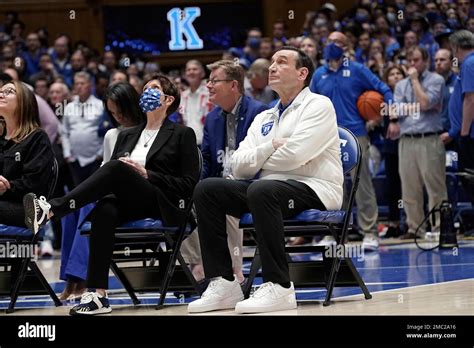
x: 91, y: 304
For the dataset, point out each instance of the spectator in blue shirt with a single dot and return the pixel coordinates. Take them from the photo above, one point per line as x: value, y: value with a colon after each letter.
x: 343, y: 81
x: 32, y: 54
x: 443, y: 61
x: 462, y: 43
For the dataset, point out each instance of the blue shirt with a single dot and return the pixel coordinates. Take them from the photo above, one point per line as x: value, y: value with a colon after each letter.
x: 464, y: 84
x: 447, y: 91
x: 344, y: 87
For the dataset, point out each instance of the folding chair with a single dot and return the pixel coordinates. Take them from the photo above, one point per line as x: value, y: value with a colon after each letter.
x: 15, y: 277
x: 143, y: 241
x: 333, y: 270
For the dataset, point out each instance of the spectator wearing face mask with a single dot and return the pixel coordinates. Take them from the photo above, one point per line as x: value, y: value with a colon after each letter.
x: 251, y: 50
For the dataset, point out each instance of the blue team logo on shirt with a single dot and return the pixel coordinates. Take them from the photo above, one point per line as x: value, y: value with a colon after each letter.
x: 267, y: 127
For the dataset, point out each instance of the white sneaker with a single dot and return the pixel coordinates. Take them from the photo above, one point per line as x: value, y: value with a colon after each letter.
x: 431, y: 236
x: 36, y: 211
x: 220, y: 294
x: 327, y: 241
x: 46, y: 248
x: 370, y: 242
x: 269, y: 297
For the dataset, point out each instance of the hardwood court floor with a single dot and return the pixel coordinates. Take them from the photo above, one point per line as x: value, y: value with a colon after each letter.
x: 402, y: 279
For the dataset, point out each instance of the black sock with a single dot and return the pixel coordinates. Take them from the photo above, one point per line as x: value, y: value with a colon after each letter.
x: 229, y: 278
x: 286, y: 285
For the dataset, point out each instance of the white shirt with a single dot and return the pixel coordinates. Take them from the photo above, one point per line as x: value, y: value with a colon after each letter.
x: 143, y: 145
x: 194, y: 107
x: 110, y: 139
x: 79, y: 132
x: 311, y: 154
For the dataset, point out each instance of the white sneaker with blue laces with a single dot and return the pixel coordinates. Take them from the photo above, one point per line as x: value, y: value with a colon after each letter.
x: 269, y: 297
x: 91, y: 304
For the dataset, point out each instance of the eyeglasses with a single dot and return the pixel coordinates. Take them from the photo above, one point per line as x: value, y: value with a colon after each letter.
x: 214, y: 81
x: 7, y: 92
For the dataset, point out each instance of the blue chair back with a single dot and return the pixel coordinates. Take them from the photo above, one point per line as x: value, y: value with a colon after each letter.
x: 350, y: 149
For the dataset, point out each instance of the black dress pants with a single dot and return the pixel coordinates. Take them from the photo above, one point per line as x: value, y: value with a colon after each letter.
x: 269, y: 201
x: 122, y: 195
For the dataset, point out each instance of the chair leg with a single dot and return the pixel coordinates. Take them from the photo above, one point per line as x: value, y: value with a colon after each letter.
x: 16, y: 287
x: 45, y: 283
x: 332, y: 280
x: 170, y: 268
x: 126, y: 284
x: 256, y: 264
x: 358, y: 278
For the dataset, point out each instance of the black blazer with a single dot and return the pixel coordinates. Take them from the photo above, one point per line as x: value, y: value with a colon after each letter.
x: 172, y: 165
x: 27, y: 165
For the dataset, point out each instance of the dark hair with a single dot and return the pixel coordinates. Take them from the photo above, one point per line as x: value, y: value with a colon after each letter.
x: 303, y: 61
x: 169, y: 88
x: 127, y: 100
x: 117, y: 71
x: 389, y: 70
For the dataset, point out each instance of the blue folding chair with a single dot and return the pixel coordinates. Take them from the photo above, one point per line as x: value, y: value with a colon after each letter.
x: 15, y: 276
x: 142, y: 240
x: 331, y: 271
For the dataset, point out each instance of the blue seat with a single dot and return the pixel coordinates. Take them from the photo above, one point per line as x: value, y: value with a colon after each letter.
x: 22, y: 235
x: 142, y: 225
x: 142, y: 236
x: 310, y: 216
x: 311, y: 222
x: 15, y: 231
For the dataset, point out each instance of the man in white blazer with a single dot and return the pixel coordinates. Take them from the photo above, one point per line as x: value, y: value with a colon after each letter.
x: 288, y: 162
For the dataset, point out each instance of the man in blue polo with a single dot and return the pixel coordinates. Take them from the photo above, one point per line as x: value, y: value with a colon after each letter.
x: 461, y: 106
x: 226, y: 126
x: 343, y: 81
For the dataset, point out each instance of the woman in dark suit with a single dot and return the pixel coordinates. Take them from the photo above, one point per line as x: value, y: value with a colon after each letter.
x: 153, y: 171
x: 26, y: 156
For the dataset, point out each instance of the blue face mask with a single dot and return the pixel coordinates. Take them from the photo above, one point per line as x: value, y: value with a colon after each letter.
x: 332, y: 52
x: 361, y: 18
x: 254, y: 43
x: 453, y: 23
x: 150, y: 100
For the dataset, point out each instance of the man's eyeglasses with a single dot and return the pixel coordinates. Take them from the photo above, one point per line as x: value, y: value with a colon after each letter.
x: 214, y: 81
x: 7, y: 92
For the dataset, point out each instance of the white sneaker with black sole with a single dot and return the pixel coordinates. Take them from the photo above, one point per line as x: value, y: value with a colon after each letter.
x: 220, y: 294
x: 269, y: 297
x: 91, y: 304
x: 36, y: 211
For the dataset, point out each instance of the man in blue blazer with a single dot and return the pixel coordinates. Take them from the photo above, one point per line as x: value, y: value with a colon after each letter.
x: 226, y: 126
x: 227, y: 95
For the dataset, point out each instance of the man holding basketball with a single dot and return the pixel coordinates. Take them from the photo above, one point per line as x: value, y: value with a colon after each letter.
x: 343, y: 81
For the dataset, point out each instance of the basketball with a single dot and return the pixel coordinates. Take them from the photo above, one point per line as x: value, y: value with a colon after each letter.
x: 369, y: 105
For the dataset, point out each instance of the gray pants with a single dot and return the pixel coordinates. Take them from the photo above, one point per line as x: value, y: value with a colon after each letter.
x: 191, y: 250
x: 422, y: 163
x: 367, y: 210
